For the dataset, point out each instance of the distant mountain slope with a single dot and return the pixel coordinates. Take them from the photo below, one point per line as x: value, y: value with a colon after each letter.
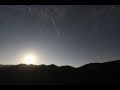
x: 107, y: 72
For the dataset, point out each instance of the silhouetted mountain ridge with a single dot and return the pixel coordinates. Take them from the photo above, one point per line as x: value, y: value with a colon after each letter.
x: 52, y: 74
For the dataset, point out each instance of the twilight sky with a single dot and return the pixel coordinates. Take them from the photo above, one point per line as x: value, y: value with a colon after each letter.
x: 60, y: 34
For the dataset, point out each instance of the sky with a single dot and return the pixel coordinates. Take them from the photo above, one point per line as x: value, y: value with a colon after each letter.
x: 60, y: 34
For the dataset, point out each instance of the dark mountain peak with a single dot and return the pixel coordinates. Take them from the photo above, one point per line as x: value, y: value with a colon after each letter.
x: 21, y: 65
x: 66, y: 66
x: 52, y: 66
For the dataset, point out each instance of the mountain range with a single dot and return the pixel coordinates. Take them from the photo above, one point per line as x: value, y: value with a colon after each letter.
x: 92, y: 73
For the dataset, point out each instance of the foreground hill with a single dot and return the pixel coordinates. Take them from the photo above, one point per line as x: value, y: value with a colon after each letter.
x: 108, y: 72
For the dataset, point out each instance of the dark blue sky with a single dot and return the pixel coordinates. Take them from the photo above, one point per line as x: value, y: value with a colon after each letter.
x: 62, y: 35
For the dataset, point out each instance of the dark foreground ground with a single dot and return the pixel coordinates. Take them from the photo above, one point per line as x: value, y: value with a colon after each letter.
x: 93, y: 73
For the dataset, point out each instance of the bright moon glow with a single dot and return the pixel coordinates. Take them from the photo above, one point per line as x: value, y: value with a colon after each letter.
x: 29, y: 59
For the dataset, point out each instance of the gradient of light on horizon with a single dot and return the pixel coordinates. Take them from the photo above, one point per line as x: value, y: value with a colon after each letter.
x: 60, y: 34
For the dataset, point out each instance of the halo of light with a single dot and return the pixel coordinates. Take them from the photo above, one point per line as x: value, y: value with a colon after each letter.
x: 29, y: 59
